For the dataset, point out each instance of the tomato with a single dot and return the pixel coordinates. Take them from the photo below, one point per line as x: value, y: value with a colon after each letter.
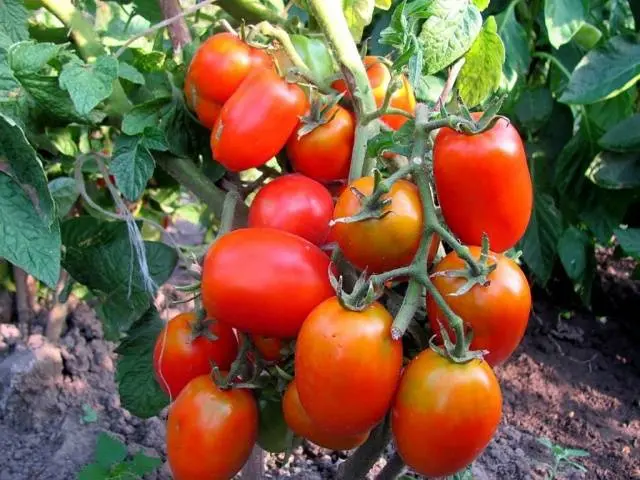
x: 483, y: 184
x: 273, y: 434
x: 179, y: 356
x: 210, y: 431
x: 381, y: 244
x: 269, y: 347
x: 257, y: 120
x: 347, y: 366
x: 206, y: 110
x: 299, y: 421
x: 324, y: 154
x: 296, y: 204
x: 498, y: 313
x: 379, y: 79
x: 444, y: 413
x: 220, y: 65
x: 264, y: 281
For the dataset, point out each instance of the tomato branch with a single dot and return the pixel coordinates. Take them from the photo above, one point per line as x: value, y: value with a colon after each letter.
x: 361, y: 461
x: 393, y: 469
x: 385, y: 108
x: 178, y: 31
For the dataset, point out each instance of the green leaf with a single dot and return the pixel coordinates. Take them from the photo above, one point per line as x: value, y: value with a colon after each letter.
x: 383, y: 4
x: 607, y: 113
x: 621, y: 18
x: 429, y: 89
x: 154, y: 139
x: 615, y: 170
x: 539, y: 241
x: 534, y: 107
x: 93, y: 471
x: 139, y: 391
x: 482, y: 69
x: 25, y: 166
x: 64, y: 193
x: 588, y: 36
x: 31, y: 57
x: 109, y: 451
x: 605, y: 211
x: 629, y: 240
x: 573, y: 161
x: 359, y: 14
x: 132, y: 165
x: 563, y: 19
x: 130, y: 73
x: 25, y: 240
x: 605, y: 71
x: 146, y: 8
x: 624, y: 136
x: 13, y: 22
x: 89, y: 84
x: 315, y: 54
x: 481, y: 4
x: 576, y: 253
x: 144, y: 115
x: 448, y: 32
x: 142, y: 464
x: 516, y: 43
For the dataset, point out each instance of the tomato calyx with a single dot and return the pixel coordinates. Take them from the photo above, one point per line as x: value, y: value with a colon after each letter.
x: 321, y: 112
x: 243, y: 373
x: 458, y: 352
x: 364, y: 292
x: 201, y: 327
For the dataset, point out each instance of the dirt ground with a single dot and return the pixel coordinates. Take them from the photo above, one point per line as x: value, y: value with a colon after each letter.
x: 575, y: 379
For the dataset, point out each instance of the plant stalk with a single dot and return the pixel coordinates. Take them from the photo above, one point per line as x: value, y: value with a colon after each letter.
x: 393, y: 469
x: 360, y: 462
x: 178, y: 31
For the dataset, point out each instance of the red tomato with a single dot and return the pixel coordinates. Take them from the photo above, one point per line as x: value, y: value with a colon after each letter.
x: 269, y: 347
x: 264, y: 281
x: 498, y: 313
x: 220, y: 65
x: 381, y: 244
x: 296, y: 204
x: 347, y: 367
x: 445, y: 413
x: 256, y: 121
x: 300, y: 423
x: 324, y: 154
x: 483, y: 184
x: 206, y: 110
x: 210, y: 432
x: 379, y: 79
x: 179, y: 356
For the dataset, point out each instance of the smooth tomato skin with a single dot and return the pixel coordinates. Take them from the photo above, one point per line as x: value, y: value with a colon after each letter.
x: 206, y: 110
x: 256, y: 122
x: 324, y: 154
x: 296, y: 204
x: 178, y: 358
x: 300, y: 423
x: 269, y: 347
x: 220, y: 65
x: 483, y: 184
x: 264, y: 281
x: 347, y: 367
x: 498, y: 313
x: 210, y: 432
x: 379, y: 79
x: 381, y: 244
x: 444, y: 414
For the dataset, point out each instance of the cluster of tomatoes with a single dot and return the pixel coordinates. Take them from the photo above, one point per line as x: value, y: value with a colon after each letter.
x: 269, y: 285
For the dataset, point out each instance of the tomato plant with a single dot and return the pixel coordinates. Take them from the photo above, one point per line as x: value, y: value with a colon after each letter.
x: 444, y: 413
x: 339, y: 392
x: 296, y: 204
x: 498, y: 313
x: 187, y: 347
x: 193, y: 432
x: 248, y: 273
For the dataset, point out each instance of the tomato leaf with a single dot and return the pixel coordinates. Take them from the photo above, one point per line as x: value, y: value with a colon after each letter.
x: 621, y: 17
x: 534, y: 107
x: 142, y: 464
x: 481, y: 73
x: 450, y: 28
x: 624, y: 136
x: 629, y: 240
x: 563, y: 19
x: 89, y: 84
x: 93, y: 471
x: 516, y: 43
x: 109, y: 451
x: 64, y: 193
x: 576, y: 252
x: 144, y: 115
x: 132, y: 165
x: 31, y: 57
x: 25, y: 239
x: 614, y: 170
x: 13, y: 22
x: 605, y: 71
x: 481, y: 4
x: 359, y: 14
x: 383, y: 4
x: 130, y: 73
x: 139, y: 391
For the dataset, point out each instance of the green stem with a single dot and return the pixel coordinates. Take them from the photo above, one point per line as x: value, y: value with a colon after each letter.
x: 393, y: 87
x: 228, y: 212
x: 358, y: 465
x: 462, y: 251
x: 251, y: 11
x: 393, y: 469
x: 555, y: 61
x: 328, y: 14
x: 410, y: 304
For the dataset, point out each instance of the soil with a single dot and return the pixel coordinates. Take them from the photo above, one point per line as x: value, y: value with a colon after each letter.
x: 575, y: 379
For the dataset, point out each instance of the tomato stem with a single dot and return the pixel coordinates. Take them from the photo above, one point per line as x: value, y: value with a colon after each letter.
x: 361, y: 461
x: 228, y: 212
x: 393, y: 469
x: 385, y: 108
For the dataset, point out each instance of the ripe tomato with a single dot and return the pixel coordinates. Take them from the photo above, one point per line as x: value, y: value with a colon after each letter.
x: 379, y: 79
x: 497, y: 313
x: 206, y: 110
x: 324, y: 154
x: 381, y: 244
x: 444, y: 413
x: 296, y: 204
x: 300, y: 423
x: 257, y: 120
x: 269, y: 347
x: 220, y: 65
x: 179, y: 356
x: 210, y: 432
x: 347, y: 367
x: 264, y: 281
x: 483, y: 184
